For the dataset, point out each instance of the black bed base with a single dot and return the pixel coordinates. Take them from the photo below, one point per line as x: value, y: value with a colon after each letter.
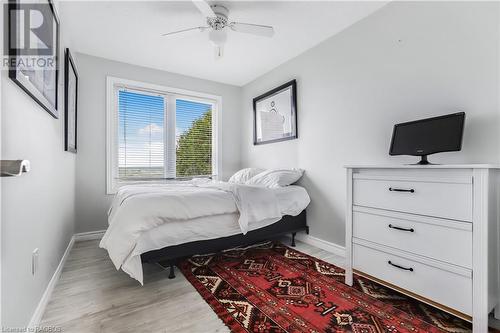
x: 171, y: 254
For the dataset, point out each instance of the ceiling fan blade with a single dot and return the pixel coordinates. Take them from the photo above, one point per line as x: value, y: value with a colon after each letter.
x: 254, y: 29
x: 201, y: 29
x: 204, y: 8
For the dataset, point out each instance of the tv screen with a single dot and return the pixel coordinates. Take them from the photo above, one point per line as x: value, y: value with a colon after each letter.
x: 428, y: 136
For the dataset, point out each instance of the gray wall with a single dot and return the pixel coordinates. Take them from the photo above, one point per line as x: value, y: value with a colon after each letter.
x: 91, y: 201
x: 37, y: 208
x: 406, y: 61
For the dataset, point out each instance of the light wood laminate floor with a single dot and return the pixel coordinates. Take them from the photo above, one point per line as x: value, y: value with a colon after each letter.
x: 92, y: 296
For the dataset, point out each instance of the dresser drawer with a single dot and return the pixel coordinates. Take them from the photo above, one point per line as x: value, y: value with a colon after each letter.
x: 445, y: 240
x: 439, y: 198
x: 436, y: 284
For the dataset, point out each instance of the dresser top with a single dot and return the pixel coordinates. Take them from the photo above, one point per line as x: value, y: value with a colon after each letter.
x: 430, y: 166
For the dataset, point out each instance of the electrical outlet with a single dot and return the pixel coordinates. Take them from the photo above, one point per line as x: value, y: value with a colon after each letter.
x: 34, y: 261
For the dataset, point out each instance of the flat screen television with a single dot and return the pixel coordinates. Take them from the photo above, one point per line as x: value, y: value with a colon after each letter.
x: 428, y: 136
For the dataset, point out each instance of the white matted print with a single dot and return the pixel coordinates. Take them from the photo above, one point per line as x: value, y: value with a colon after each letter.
x: 275, y: 114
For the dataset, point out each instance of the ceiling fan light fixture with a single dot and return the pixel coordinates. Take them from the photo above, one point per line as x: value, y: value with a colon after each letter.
x: 218, y: 37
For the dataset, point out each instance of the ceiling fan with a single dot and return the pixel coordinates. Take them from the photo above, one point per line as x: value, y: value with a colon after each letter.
x: 218, y: 24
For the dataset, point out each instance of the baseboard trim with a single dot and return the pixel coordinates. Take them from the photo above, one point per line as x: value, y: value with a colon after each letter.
x: 42, y: 305
x: 322, y: 244
x: 91, y: 235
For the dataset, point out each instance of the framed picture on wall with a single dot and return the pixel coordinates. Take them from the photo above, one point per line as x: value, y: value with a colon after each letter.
x: 275, y: 115
x: 33, y: 57
x: 70, y: 102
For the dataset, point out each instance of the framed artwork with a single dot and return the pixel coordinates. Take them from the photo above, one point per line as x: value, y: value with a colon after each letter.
x: 33, y: 53
x: 70, y: 102
x: 275, y: 115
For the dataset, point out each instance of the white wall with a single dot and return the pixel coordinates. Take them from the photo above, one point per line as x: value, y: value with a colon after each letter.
x: 38, y: 207
x: 406, y: 61
x: 92, y: 203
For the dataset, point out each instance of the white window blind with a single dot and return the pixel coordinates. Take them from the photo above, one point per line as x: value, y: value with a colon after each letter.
x: 160, y: 135
x: 141, y: 152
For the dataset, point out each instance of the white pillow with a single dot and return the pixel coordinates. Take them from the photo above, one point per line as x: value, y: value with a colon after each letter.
x: 242, y: 176
x: 274, y: 178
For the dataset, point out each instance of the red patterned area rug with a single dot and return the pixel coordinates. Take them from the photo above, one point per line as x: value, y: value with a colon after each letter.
x: 274, y: 288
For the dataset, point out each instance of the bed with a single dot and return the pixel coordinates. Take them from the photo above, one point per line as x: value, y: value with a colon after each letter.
x: 153, y: 223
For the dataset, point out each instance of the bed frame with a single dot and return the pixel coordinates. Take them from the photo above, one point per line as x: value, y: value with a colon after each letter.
x: 172, y: 254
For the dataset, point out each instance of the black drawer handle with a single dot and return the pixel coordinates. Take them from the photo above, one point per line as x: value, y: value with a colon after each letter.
x: 401, y: 190
x: 400, y: 267
x: 402, y: 229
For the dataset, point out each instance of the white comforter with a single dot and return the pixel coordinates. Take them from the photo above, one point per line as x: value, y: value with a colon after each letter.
x: 137, y: 209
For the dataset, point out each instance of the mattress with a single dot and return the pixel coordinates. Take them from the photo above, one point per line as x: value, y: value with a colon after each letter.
x: 292, y: 201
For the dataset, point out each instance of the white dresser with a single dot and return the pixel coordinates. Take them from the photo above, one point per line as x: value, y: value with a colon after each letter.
x: 428, y: 231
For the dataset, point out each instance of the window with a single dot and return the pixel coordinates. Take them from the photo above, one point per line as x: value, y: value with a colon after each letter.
x: 141, y: 149
x: 193, y: 138
x: 157, y: 133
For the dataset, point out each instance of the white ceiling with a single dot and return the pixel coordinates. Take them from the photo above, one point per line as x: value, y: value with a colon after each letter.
x: 129, y: 31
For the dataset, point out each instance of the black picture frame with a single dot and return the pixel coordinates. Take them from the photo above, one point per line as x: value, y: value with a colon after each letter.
x: 288, y: 86
x: 70, y: 109
x: 18, y: 77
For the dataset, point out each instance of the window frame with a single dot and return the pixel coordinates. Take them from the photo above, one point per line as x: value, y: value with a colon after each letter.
x: 170, y: 94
